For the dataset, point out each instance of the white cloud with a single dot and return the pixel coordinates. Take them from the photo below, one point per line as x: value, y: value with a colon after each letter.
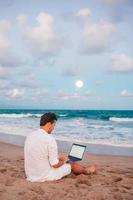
x: 113, y: 2
x: 27, y: 93
x: 9, y: 59
x: 4, y: 33
x: 66, y: 96
x: 28, y: 81
x: 41, y: 39
x: 35, y: 93
x: 88, y: 93
x: 97, y: 37
x: 125, y: 93
x: 4, y: 73
x: 41, y: 93
x: 16, y: 93
x: 85, y: 12
x: 70, y: 72
x: 22, y: 21
x: 3, y: 84
x: 118, y: 10
x: 92, y: 99
x: 122, y: 63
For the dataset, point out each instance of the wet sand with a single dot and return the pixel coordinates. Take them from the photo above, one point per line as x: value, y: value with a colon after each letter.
x: 114, y: 179
x: 65, y: 146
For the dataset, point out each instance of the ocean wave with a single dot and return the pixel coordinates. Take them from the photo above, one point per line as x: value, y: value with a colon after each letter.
x: 117, y: 119
x: 28, y: 115
x: 63, y: 115
x: 100, y: 126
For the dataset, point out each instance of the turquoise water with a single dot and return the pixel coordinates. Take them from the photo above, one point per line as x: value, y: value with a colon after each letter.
x: 92, y: 126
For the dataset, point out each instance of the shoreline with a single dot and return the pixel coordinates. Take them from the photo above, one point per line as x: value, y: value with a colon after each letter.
x: 113, y: 180
x: 65, y: 146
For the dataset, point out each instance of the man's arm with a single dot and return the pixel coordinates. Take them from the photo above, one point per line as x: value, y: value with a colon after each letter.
x: 62, y: 161
x: 54, y: 160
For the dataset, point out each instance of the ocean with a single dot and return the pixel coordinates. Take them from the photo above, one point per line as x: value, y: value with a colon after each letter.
x: 108, y: 127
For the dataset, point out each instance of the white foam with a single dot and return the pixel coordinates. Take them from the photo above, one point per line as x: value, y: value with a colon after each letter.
x: 117, y: 119
x: 63, y: 115
x: 19, y: 115
x: 100, y: 126
x: 14, y: 130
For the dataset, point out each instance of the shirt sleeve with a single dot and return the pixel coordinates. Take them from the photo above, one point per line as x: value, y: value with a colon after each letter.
x: 53, y: 152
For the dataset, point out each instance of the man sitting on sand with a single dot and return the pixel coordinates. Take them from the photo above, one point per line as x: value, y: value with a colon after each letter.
x: 41, y: 155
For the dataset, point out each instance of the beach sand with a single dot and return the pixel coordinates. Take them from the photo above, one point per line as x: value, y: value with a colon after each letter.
x: 114, y: 179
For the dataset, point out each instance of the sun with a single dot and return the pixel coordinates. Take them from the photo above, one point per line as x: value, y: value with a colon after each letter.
x: 79, y: 84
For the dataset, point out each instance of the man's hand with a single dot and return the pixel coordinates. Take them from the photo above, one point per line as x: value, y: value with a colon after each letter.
x: 64, y: 158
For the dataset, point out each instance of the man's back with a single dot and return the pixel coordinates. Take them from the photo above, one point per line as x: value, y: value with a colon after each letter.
x: 40, y: 153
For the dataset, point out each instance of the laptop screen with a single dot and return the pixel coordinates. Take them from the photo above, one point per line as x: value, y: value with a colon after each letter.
x: 77, y: 151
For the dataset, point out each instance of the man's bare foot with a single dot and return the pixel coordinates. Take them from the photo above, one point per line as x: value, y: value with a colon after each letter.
x: 90, y: 170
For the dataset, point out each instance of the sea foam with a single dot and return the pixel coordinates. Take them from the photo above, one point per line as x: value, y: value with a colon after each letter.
x: 117, y: 119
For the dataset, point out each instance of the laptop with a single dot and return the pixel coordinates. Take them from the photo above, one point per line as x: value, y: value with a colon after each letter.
x: 76, y: 153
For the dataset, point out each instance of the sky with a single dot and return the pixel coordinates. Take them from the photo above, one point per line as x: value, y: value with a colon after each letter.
x: 46, y: 46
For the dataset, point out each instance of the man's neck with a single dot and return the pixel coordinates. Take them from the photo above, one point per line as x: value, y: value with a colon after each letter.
x: 44, y: 129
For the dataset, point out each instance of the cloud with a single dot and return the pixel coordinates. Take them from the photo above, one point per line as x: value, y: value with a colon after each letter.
x: 41, y: 93
x: 4, y: 73
x: 87, y: 96
x: 122, y: 63
x: 26, y: 93
x: 15, y: 93
x: 9, y: 59
x: 8, y: 3
x: 66, y: 96
x: 4, y: 33
x: 125, y: 93
x: 71, y: 72
x: 85, y: 12
x: 41, y: 40
x: 113, y: 2
x: 28, y: 82
x: 96, y: 37
x: 22, y: 21
x: 88, y: 93
x: 118, y: 10
x: 3, y: 84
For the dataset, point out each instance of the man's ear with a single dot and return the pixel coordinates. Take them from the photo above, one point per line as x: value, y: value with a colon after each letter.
x: 49, y: 124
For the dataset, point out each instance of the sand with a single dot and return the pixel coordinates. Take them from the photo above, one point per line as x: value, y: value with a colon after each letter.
x: 114, y: 179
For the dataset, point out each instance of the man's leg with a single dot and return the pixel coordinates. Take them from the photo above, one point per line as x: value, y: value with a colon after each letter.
x: 78, y: 169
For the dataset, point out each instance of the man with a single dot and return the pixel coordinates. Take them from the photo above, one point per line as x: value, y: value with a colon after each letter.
x: 41, y: 155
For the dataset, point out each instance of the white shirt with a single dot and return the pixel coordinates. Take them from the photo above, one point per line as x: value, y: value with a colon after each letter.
x: 40, y: 152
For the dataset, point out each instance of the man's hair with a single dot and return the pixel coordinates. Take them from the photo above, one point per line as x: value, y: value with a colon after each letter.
x: 47, y: 117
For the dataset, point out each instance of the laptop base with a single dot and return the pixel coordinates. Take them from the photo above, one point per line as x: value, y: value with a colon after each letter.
x: 72, y: 159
